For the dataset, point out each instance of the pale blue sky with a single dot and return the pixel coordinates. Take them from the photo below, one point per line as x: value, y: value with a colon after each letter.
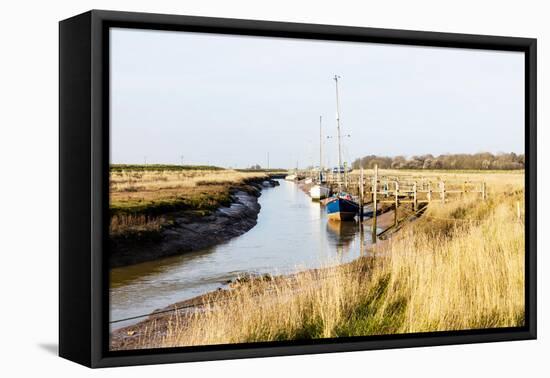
x: 228, y: 100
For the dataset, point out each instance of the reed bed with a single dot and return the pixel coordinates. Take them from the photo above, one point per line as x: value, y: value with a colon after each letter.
x: 460, y: 266
x: 122, y: 223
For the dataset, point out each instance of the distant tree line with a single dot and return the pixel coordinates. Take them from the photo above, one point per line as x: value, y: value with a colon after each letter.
x: 482, y: 160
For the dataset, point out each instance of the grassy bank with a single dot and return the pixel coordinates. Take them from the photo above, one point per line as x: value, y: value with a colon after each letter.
x: 460, y: 266
x: 162, y: 167
x: 142, y: 197
x: 494, y: 179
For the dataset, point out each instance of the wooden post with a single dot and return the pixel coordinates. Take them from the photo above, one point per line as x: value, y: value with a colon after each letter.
x: 483, y: 191
x: 361, y: 239
x: 415, y: 204
x: 374, y: 202
x: 345, y: 176
x: 361, y: 196
x: 463, y: 194
x: 396, y: 203
x: 442, y: 188
x: 429, y: 191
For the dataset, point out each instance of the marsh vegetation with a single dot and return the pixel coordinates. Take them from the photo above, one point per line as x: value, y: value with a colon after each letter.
x: 142, y: 197
x: 459, y: 266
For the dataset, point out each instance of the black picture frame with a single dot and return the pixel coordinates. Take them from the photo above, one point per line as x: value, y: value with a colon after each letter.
x: 83, y: 181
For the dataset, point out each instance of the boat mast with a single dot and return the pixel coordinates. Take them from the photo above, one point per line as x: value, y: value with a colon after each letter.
x: 320, y: 149
x: 336, y: 77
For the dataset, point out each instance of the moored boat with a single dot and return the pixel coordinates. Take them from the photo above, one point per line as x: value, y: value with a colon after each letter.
x: 341, y: 207
x: 291, y: 177
x: 318, y: 192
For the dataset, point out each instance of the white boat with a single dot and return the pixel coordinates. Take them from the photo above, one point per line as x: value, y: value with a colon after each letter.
x: 318, y: 192
x: 309, y: 180
x: 291, y: 178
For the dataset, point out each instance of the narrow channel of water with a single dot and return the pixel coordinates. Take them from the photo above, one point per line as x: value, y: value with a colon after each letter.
x: 292, y: 234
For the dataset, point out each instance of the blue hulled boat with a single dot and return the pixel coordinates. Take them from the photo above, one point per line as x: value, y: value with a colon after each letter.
x: 342, y: 207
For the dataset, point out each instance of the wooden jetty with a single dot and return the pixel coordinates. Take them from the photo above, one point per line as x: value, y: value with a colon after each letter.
x: 396, y: 190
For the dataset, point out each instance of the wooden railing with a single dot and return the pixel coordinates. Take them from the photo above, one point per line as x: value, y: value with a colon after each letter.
x: 396, y: 190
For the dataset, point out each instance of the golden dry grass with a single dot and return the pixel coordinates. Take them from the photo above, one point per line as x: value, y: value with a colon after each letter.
x: 150, y: 181
x: 497, y: 181
x: 461, y: 266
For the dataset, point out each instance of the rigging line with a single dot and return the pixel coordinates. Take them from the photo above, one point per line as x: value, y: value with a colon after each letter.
x: 167, y: 311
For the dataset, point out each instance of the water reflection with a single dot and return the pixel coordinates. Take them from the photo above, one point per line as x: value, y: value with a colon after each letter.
x: 126, y: 275
x: 342, y: 234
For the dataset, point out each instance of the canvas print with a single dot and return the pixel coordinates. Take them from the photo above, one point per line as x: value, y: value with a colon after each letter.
x: 276, y: 189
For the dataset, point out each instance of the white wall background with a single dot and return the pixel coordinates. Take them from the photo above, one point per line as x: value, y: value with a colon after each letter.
x: 29, y: 185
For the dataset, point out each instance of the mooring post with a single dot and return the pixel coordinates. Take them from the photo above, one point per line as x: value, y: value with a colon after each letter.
x: 361, y: 239
x: 374, y: 202
x: 345, y: 176
x: 361, y: 196
x: 415, y: 204
x: 396, y: 203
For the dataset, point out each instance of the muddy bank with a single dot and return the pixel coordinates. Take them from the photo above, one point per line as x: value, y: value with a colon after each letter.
x: 188, y: 232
